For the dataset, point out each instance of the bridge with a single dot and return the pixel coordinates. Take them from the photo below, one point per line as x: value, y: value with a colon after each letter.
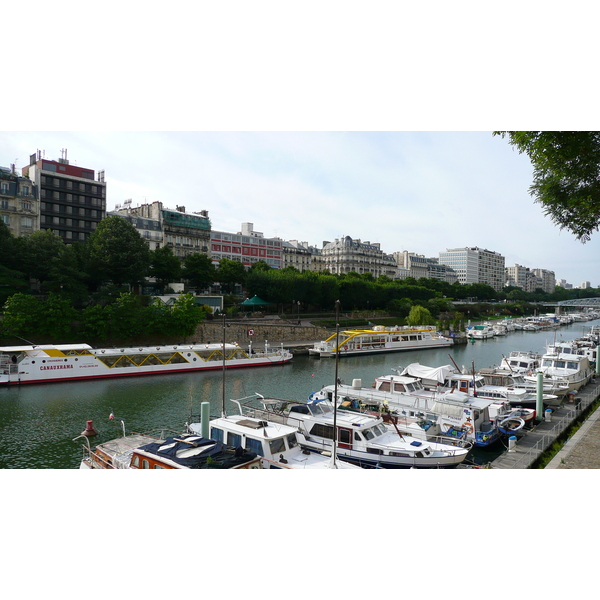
x: 577, y: 303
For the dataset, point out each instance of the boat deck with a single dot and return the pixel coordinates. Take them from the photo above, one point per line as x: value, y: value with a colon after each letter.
x: 532, y: 444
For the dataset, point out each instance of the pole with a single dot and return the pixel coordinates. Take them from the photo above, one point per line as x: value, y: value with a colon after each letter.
x: 335, y: 387
x: 223, y: 381
x: 539, y: 405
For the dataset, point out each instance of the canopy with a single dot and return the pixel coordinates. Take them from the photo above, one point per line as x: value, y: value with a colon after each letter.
x: 255, y: 301
x: 430, y: 373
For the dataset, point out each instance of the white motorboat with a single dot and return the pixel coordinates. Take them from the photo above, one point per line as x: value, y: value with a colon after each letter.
x: 380, y: 339
x: 362, y: 439
x: 74, y: 362
x: 558, y: 364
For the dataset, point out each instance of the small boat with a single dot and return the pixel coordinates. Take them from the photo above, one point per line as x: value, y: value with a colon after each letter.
x: 511, y: 425
x: 380, y: 339
x: 480, y: 332
x: 276, y: 443
x: 74, y: 362
x: 185, y: 451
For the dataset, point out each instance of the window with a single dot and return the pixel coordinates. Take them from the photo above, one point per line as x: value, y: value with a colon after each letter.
x: 26, y: 222
x: 254, y: 446
x: 277, y: 446
x: 234, y: 439
x: 5, y: 219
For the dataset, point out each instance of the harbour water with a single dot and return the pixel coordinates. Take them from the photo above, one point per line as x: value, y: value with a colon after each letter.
x: 38, y: 422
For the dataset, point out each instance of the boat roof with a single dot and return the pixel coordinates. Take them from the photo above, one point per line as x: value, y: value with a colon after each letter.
x: 251, y: 426
x: 43, y: 347
x: 438, y: 374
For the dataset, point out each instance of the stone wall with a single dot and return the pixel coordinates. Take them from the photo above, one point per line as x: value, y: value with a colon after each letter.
x: 272, y: 332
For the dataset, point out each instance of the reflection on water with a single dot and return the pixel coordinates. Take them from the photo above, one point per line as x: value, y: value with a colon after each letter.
x: 38, y: 423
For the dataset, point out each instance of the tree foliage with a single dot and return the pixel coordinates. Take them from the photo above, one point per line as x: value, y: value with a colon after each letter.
x: 566, y: 176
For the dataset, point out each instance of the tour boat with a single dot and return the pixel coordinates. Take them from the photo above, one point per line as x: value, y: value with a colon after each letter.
x: 68, y: 362
x: 380, y: 339
x: 362, y: 439
x: 185, y: 451
x: 277, y: 444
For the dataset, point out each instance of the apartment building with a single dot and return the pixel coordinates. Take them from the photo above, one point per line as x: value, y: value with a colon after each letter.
x: 475, y: 265
x: 19, y: 202
x: 72, y: 199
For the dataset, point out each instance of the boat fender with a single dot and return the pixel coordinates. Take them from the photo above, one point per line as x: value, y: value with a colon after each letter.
x: 468, y: 427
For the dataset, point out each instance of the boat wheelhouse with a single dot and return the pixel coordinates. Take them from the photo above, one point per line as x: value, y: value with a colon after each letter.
x: 380, y: 339
x: 68, y: 362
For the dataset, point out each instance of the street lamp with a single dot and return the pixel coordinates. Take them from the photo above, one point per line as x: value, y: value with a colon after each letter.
x: 298, y: 312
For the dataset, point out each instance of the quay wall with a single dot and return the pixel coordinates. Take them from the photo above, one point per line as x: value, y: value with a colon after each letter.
x: 272, y: 332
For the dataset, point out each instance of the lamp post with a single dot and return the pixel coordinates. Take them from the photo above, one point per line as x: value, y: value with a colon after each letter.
x: 298, y: 312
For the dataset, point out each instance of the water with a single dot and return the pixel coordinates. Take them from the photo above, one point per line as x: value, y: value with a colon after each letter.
x: 38, y: 422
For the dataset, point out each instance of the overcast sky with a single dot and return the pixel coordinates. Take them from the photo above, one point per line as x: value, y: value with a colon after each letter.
x: 423, y: 192
x: 372, y: 124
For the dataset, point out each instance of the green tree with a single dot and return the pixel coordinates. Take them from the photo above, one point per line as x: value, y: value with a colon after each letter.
x: 56, y: 317
x: 22, y: 313
x: 230, y: 272
x: 199, y: 270
x: 41, y: 256
x: 419, y: 315
x: 117, y: 253
x: 165, y: 267
x: 566, y: 176
x: 186, y: 315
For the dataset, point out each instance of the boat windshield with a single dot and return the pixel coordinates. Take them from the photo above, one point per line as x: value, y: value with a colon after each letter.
x: 292, y: 440
x: 373, y: 432
x: 321, y: 408
x: 277, y: 445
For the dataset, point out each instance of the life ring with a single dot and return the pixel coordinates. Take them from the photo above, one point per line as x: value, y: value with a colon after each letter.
x: 468, y: 427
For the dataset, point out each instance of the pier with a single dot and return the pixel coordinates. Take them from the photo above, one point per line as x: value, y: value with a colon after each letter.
x: 530, y: 446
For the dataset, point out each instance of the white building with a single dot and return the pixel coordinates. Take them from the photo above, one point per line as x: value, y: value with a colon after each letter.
x: 345, y: 255
x: 476, y: 265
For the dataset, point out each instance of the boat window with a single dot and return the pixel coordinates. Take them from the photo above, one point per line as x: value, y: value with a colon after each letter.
x: 292, y: 440
x: 320, y: 430
x: 216, y: 434
x: 384, y: 386
x: 561, y: 364
x: 357, y: 437
x: 368, y: 433
x: 547, y: 362
x: 254, y: 446
x: 277, y: 445
x: 157, y: 466
x: 479, y: 383
x: 145, y: 464
x: 345, y: 436
x: 410, y: 387
x: 234, y: 439
x: 300, y: 409
x: 572, y: 365
x: 135, y: 462
x: 398, y: 387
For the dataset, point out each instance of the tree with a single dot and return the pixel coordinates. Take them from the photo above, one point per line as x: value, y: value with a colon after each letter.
x: 566, y: 176
x: 229, y: 273
x: 164, y: 266
x: 117, y: 253
x: 199, y: 270
x: 22, y: 313
x: 419, y: 315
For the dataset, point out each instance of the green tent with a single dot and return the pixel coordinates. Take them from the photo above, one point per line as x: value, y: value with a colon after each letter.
x: 255, y: 301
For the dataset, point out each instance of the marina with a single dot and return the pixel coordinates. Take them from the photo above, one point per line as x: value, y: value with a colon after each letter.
x: 40, y: 422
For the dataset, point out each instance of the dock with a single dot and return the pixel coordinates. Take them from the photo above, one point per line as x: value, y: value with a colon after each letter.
x: 530, y: 445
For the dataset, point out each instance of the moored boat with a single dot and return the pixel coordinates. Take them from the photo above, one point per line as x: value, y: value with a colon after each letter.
x: 67, y: 362
x: 185, y: 451
x: 380, y: 339
x: 276, y: 443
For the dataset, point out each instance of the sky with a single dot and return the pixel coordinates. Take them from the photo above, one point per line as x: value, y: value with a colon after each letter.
x: 314, y: 124
x: 420, y: 191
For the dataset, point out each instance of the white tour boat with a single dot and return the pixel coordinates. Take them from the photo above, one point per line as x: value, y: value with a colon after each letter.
x: 276, y: 443
x: 68, y: 362
x: 362, y: 439
x: 380, y: 339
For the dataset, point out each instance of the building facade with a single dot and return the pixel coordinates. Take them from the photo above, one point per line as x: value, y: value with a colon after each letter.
x: 247, y: 246
x: 72, y: 200
x: 19, y: 203
x: 301, y: 256
x: 546, y: 280
x: 345, y: 255
x: 185, y: 233
x: 420, y: 266
x: 476, y: 265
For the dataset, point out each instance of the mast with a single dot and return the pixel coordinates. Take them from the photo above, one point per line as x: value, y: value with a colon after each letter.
x: 223, y: 381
